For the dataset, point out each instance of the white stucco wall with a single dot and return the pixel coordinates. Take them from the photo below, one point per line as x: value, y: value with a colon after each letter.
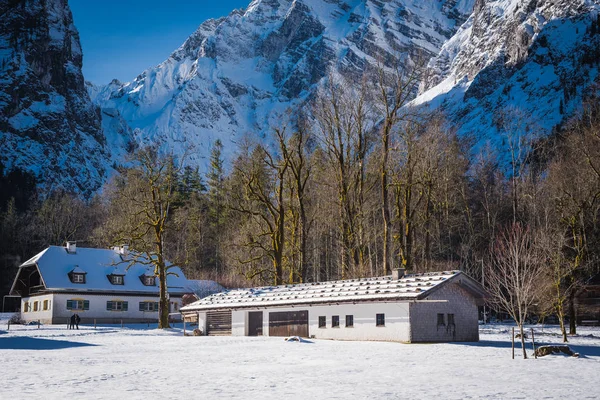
x: 59, y: 314
x: 44, y: 316
x: 396, y: 321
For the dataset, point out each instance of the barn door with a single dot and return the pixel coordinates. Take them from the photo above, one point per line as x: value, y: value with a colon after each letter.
x: 288, y: 323
x: 255, y: 323
x: 218, y: 323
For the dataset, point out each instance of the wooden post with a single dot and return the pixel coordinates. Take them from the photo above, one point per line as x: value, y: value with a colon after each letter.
x: 513, y: 343
x: 533, y: 342
x: 94, y: 323
x: 183, y: 325
x: 38, y: 324
x: 8, y: 325
x: 121, y: 324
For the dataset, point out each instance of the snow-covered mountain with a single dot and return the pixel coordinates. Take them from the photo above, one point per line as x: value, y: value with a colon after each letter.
x: 239, y: 74
x: 48, y: 125
x: 532, y: 59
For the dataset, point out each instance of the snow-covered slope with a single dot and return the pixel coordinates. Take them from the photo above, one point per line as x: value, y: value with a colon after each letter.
x: 535, y: 58
x: 48, y: 125
x: 239, y: 74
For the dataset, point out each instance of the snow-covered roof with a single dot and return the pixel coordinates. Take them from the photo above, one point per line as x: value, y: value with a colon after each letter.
x: 55, y: 264
x: 415, y: 286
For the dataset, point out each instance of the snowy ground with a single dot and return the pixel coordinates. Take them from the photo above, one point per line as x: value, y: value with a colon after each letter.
x: 114, y: 363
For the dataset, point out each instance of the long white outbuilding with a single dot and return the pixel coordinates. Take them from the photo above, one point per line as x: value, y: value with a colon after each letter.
x: 429, y: 307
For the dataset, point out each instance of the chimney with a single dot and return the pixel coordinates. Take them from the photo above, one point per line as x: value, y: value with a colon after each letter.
x: 71, y: 247
x: 122, y: 250
x: 398, y: 273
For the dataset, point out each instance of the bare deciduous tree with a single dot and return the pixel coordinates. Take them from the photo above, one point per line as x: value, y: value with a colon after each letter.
x: 512, y: 278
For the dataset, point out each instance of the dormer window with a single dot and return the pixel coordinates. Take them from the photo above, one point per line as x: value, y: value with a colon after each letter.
x: 148, y: 280
x: 116, y: 279
x: 77, y: 275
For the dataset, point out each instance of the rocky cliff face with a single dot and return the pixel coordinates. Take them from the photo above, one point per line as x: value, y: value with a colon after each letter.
x: 533, y: 57
x: 238, y: 75
x: 48, y: 125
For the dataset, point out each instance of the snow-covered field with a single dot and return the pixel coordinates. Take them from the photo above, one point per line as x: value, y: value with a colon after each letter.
x: 113, y: 363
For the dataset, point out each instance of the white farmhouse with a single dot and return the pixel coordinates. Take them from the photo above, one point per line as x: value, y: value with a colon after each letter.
x: 98, y: 284
x: 430, y: 307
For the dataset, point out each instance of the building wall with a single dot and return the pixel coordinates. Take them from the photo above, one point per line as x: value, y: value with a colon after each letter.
x: 44, y: 316
x: 448, y: 299
x: 396, y: 321
x: 59, y: 314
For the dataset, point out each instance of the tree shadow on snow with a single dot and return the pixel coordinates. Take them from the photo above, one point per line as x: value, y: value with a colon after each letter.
x: 582, y: 349
x: 28, y: 343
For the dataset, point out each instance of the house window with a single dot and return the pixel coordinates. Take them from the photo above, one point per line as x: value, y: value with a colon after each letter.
x: 149, y: 306
x: 380, y: 319
x: 78, y: 278
x: 440, y: 320
x: 26, y: 306
x: 173, y: 306
x: 46, y: 305
x: 77, y: 304
x: 335, y: 321
x: 116, y: 279
x: 116, y: 305
x: 322, y: 322
x: 149, y: 280
x: 450, y: 319
x: 36, y: 306
x: 349, y: 321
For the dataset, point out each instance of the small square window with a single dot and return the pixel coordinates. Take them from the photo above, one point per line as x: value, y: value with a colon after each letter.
x: 450, y: 319
x: 116, y: 305
x: 380, y: 319
x: 116, y: 279
x: 78, y: 278
x: 149, y: 280
x: 349, y: 321
x: 322, y: 322
x: 440, y: 320
x: 335, y: 321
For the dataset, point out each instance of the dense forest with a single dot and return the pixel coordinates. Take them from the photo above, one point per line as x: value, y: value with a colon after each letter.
x: 363, y: 186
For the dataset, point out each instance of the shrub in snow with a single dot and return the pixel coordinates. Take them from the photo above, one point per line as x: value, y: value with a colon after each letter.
x: 16, y: 319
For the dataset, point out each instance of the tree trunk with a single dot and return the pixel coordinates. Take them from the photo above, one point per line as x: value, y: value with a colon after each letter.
x: 163, y: 305
x: 572, y: 314
x: 523, y: 341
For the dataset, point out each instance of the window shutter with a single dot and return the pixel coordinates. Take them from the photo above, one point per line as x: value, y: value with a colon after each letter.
x: 109, y: 305
x: 124, y: 306
x: 142, y: 308
x: 86, y: 304
x: 69, y: 304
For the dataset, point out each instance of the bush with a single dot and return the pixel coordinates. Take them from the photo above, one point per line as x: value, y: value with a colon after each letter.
x: 16, y: 319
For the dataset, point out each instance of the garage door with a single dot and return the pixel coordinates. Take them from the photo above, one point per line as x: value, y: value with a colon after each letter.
x: 218, y: 323
x: 288, y: 323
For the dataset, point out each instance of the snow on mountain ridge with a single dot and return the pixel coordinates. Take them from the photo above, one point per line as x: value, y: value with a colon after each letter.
x: 237, y: 75
x: 534, y: 57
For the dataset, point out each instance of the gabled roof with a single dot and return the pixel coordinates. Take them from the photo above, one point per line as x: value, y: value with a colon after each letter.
x: 409, y: 287
x: 55, y: 264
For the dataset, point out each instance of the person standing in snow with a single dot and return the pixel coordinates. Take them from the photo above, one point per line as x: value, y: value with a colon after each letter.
x: 77, y: 319
x: 72, y: 322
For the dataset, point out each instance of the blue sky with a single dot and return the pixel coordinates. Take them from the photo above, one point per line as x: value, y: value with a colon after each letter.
x: 121, y: 38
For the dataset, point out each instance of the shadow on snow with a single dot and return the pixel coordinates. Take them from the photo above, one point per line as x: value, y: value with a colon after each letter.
x: 28, y: 343
x: 583, y: 349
